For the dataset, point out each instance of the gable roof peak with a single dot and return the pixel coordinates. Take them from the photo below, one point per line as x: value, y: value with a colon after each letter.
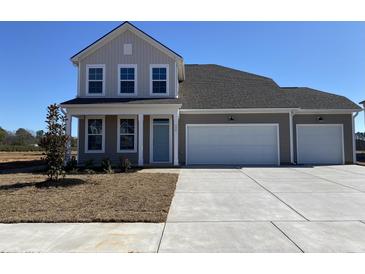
x: 116, y: 31
x: 122, y: 28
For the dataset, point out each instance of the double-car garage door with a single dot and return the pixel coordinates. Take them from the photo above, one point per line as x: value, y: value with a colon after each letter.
x: 232, y: 144
x: 258, y: 144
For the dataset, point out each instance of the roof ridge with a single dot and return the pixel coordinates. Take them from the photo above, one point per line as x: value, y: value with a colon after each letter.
x: 234, y: 69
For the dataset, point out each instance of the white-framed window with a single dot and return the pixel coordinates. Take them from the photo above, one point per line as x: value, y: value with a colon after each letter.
x: 95, y: 134
x: 127, y: 134
x: 159, y: 75
x: 127, y: 80
x: 95, y: 80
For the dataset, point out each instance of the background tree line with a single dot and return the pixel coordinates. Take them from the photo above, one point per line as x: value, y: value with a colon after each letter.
x: 360, y: 141
x: 24, y: 140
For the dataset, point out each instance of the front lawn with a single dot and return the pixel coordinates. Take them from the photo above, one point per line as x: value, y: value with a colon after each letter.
x: 119, y: 197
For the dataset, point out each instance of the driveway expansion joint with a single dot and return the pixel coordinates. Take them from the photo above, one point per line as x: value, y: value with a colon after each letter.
x: 288, y: 237
x: 159, y: 243
x: 301, y: 215
x: 330, y: 181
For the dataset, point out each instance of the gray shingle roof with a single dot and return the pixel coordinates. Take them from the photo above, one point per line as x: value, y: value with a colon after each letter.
x: 213, y: 86
x: 307, y: 98
x: 218, y: 87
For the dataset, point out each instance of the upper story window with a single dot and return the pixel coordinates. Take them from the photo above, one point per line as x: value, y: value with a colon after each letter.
x: 95, y: 79
x: 127, y: 79
x: 159, y: 79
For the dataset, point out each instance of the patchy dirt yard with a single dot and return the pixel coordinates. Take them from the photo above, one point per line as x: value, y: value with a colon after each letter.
x: 13, y: 160
x: 18, y: 160
x: 119, y: 197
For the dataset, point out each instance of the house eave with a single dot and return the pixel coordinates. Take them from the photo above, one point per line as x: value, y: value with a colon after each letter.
x: 269, y: 110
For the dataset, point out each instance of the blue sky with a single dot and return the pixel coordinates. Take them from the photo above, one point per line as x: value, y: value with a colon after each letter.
x: 35, y: 68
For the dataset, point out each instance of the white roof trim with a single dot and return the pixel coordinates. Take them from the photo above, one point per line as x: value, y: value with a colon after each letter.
x: 113, y: 34
x: 268, y: 110
x: 125, y: 105
x: 236, y: 110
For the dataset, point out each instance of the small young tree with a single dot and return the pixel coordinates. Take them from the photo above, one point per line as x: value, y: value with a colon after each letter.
x: 54, y: 142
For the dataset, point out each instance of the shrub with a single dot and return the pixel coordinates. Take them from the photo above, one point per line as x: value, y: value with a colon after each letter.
x: 89, y: 164
x: 54, y: 142
x: 106, y: 165
x: 71, y: 164
x: 125, y: 164
x: 89, y: 171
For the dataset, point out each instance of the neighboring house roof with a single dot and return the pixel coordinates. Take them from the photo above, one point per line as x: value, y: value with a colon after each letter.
x: 215, y: 87
x: 362, y: 102
x: 88, y: 101
x: 218, y: 87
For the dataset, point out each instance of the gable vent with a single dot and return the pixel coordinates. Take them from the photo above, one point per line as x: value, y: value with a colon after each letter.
x: 127, y: 49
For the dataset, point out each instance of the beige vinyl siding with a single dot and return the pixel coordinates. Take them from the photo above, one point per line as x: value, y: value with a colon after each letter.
x: 281, y: 119
x: 143, y: 54
x: 344, y: 119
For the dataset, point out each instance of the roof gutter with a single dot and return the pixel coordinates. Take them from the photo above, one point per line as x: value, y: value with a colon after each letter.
x: 236, y: 110
x: 124, y: 105
x: 269, y: 110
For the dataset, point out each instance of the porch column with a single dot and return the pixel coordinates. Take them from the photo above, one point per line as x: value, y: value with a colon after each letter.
x: 140, y: 139
x: 176, y: 139
x: 68, y: 133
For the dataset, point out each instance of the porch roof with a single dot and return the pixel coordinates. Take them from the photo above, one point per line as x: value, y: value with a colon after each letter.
x: 98, y: 100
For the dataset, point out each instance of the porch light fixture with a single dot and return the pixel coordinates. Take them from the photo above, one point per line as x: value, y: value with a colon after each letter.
x: 319, y: 118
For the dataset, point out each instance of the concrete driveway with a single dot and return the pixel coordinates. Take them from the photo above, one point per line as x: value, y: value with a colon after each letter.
x: 286, y: 209
x: 302, y: 209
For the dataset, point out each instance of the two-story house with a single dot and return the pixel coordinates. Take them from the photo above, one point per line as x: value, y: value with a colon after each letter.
x: 138, y: 100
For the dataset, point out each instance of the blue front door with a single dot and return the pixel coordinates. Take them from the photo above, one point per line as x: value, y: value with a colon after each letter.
x: 161, y: 140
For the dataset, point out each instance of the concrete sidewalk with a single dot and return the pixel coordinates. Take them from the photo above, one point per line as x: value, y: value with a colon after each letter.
x: 81, y: 237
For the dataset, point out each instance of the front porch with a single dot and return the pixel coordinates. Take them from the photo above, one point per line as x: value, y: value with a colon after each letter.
x: 146, y: 136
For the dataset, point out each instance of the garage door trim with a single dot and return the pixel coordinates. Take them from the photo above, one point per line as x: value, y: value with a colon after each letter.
x: 321, y: 125
x: 237, y: 124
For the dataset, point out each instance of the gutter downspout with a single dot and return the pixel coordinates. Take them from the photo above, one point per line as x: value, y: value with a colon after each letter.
x: 354, y: 138
x: 291, y: 113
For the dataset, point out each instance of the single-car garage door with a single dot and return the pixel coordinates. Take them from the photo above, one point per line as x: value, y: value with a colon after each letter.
x: 320, y: 144
x: 232, y: 144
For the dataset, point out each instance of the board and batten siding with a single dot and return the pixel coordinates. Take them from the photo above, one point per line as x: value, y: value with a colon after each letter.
x: 281, y: 119
x: 343, y: 119
x: 143, y: 54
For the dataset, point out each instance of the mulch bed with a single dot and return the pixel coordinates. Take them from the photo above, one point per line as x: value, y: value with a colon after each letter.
x: 119, y: 197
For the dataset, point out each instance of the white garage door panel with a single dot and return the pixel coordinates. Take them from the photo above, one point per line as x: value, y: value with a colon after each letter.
x: 232, y: 144
x: 319, y: 144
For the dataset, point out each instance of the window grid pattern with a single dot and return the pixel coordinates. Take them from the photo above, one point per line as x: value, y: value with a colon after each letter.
x: 95, y: 134
x: 159, y: 80
x: 127, y: 134
x: 127, y: 80
x: 95, y: 80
